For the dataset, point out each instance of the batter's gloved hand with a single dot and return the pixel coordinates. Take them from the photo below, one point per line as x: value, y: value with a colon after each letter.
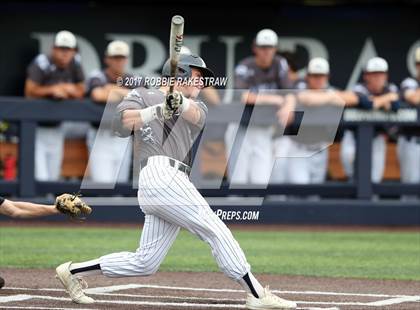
x: 166, y: 112
x: 174, y: 101
x: 72, y: 206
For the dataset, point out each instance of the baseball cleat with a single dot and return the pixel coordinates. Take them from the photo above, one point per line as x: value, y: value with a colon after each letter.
x: 72, y: 284
x: 1, y: 282
x: 268, y: 301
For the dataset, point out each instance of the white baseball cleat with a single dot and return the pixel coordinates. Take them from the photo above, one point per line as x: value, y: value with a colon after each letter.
x: 268, y: 301
x: 72, y: 284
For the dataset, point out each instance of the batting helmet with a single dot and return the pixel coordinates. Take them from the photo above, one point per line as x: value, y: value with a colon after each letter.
x: 185, y: 64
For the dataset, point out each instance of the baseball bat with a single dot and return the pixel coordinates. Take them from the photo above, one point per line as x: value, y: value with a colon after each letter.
x: 175, y: 43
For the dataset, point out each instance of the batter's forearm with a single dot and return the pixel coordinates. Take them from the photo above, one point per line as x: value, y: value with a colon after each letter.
x: 193, y: 114
x: 134, y: 119
x: 127, y: 121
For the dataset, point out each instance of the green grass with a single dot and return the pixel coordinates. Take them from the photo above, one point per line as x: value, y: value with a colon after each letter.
x: 375, y: 255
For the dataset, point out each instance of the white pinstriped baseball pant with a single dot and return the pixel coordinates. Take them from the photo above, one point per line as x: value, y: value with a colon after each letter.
x: 170, y: 201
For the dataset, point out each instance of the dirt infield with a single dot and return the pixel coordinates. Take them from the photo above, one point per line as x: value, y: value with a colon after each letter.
x: 37, y: 289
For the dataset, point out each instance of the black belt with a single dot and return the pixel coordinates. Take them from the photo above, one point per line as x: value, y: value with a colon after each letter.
x: 172, y: 162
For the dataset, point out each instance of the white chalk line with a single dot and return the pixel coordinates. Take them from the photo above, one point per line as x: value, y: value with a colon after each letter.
x: 171, y: 297
x: 105, y: 291
x: 146, y: 303
x: 185, y: 298
x: 188, y: 298
x: 14, y: 298
x: 189, y: 304
x: 114, y: 288
x: 23, y: 297
x: 60, y: 308
x: 150, y: 296
x: 393, y: 301
x: 161, y: 304
x: 46, y: 308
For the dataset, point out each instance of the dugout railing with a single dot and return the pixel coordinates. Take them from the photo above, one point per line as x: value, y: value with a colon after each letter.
x: 27, y: 113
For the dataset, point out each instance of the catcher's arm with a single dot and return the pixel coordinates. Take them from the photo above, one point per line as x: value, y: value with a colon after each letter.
x: 21, y: 209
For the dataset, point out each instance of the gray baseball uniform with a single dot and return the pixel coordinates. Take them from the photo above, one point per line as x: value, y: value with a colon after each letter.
x: 173, y: 138
x: 108, y: 162
x: 43, y: 71
x: 308, y: 154
x: 49, y: 138
x: 409, y: 143
x: 254, y: 160
x: 348, y: 149
x: 168, y: 198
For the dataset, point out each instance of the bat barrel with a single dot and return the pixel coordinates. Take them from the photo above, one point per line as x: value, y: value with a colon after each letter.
x: 175, y: 44
x: 177, y: 20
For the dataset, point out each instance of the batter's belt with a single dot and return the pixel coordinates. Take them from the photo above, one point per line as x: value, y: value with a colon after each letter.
x: 173, y: 163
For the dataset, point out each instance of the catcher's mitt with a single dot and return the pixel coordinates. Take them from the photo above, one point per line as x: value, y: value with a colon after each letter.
x: 72, y: 206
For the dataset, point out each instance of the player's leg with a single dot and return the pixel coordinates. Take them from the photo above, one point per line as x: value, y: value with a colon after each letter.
x: 156, y: 239
x: 416, y: 161
x: 238, y: 158
x: 55, y: 143
x: 378, y: 158
x: 409, y: 157
x: 348, y: 152
x: 122, y: 160
x: 261, y: 161
x: 175, y: 199
x: 281, y: 146
x: 41, y: 149
x: 403, y: 150
x: 298, y: 164
x: 100, y: 156
x: 319, y: 166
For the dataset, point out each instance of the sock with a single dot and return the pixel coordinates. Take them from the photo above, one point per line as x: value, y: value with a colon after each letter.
x: 89, y: 268
x: 251, y: 285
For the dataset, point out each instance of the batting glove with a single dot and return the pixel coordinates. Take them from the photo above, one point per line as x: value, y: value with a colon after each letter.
x: 174, y: 101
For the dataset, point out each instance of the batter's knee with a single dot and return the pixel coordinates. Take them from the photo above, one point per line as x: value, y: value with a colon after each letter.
x: 147, y: 264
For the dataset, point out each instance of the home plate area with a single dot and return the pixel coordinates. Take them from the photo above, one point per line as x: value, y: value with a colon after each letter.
x: 37, y: 289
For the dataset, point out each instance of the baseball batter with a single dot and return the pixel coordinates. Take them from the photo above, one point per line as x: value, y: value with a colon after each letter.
x: 165, y: 126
